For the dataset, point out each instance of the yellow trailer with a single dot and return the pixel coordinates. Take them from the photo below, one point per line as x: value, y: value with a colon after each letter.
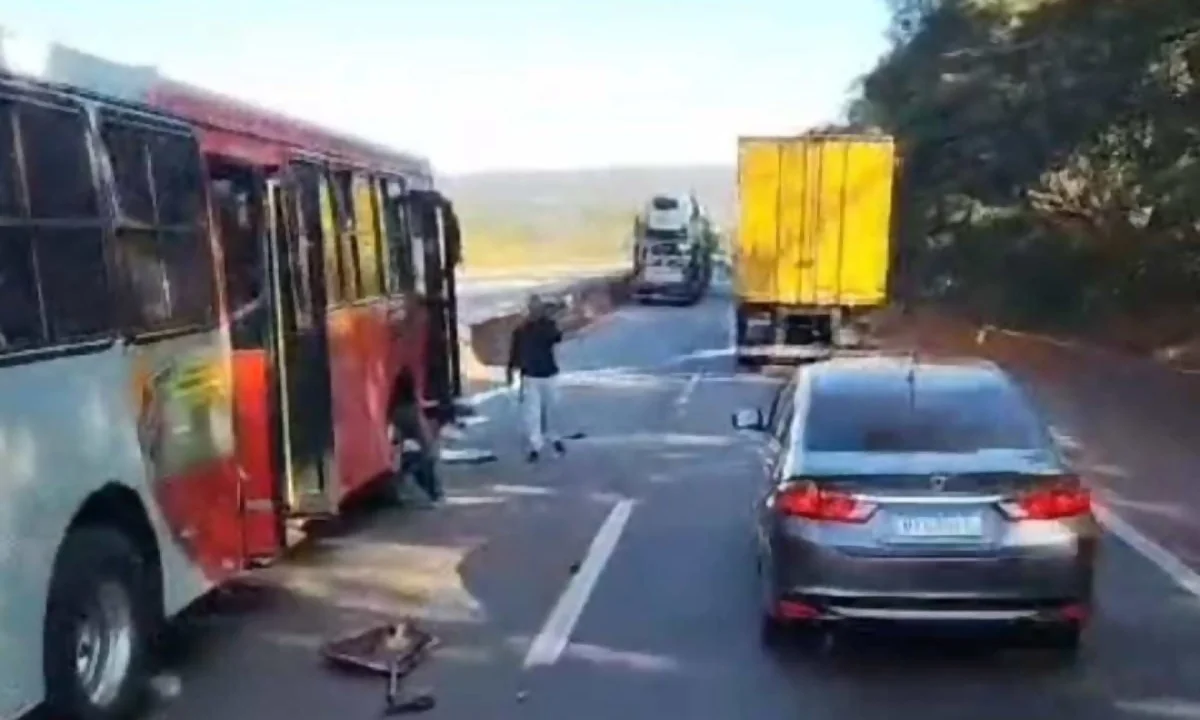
x: 813, y: 242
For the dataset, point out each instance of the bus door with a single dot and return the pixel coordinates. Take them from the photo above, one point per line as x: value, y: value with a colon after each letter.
x: 300, y: 344
x: 431, y: 218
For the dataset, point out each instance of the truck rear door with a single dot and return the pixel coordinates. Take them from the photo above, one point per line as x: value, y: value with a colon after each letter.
x: 815, y: 220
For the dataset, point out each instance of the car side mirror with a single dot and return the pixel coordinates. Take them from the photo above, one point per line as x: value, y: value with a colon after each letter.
x: 749, y: 419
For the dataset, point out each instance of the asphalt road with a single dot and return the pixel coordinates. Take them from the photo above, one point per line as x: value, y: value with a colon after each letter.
x: 618, y: 582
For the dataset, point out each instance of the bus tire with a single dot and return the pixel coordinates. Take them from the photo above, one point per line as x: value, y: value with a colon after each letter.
x: 96, y: 637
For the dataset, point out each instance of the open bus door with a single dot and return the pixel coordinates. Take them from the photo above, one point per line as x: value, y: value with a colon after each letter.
x: 437, y: 227
x: 300, y: 345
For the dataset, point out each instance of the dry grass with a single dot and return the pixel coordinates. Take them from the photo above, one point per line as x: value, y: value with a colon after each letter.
x: 483, y: 254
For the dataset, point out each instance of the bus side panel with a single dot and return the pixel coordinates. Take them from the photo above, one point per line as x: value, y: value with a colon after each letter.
x: 757, y: 251
x: 73, y: 425
x: 65, y: 432
x: 255, y: 457
x: 374, y: 347
x: 347, y: 404
x: 181, y: 392
x: 358, y: 348
x: 866, y: 220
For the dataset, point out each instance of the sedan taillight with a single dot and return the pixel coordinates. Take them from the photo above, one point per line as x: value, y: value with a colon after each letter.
x: 1067, y: 498
x: 806, y: 500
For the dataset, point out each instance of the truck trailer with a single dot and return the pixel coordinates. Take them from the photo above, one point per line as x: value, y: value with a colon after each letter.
x: 813, y: 243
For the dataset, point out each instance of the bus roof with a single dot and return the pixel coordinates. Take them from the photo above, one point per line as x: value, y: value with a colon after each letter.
x: 53, y: 63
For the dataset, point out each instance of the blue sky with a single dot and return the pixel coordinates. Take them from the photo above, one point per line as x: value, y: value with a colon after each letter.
x: 488, y: 84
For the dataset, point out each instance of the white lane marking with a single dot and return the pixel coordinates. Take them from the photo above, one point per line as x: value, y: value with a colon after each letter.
x: 1164, y: 559
x: 481, y: 397
x: 552, y: 640
x: 688, y: 389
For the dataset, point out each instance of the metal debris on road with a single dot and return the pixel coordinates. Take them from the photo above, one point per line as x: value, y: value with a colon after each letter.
x: 393, y: 650
x: 381, y: 649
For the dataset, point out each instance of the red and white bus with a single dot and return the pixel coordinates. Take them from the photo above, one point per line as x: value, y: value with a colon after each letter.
x: 207, y: 312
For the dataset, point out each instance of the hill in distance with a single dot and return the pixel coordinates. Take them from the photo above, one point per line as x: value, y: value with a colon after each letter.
x: 565, y: 215
x: 621, y: 191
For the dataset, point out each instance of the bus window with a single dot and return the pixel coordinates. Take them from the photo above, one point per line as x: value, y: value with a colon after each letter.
x: 58, y: 169
x: 367, y: 236
x: 10, y: 180
x: 53, y: 273
x: 233, y: 199
x: 20, y: 312
x: 127, y: 156
x: 162, y: 248
x: 178, y: 188
x: 333, y: 266
x: 347, y: 244
x: 73, y: 277
x: 311, y: 290
x: 399, y: 244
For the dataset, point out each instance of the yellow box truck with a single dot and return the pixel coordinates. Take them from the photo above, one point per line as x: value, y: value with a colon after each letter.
x: 813, y: 242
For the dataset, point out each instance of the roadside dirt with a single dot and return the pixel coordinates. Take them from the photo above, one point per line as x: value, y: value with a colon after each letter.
x: 1132, y: 424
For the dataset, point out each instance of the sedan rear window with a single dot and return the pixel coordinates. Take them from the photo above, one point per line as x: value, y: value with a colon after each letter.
x: 958, y: 420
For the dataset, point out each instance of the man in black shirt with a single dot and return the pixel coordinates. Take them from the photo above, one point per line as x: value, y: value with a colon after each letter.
x: 531, y: 352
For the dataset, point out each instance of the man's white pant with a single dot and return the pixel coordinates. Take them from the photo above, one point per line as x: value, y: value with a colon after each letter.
x: 537, y: 396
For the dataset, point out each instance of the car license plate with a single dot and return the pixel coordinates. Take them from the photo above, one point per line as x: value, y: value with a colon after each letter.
x: 663, y: 275
x: 938, y: 526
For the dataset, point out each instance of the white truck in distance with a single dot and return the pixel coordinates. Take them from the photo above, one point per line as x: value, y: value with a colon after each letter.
x: 673, y: 254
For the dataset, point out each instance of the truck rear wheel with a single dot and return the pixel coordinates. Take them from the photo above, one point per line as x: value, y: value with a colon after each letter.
x: 96, y: 636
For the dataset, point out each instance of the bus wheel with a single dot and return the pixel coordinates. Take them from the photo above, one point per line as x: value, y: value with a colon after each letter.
x: 96, y: 637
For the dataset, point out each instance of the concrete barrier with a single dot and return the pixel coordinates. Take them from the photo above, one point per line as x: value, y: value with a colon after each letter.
x: 485, y: 343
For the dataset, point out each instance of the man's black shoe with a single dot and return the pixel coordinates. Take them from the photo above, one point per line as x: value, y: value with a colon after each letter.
x: 533, y: 456
x: 559, y: 447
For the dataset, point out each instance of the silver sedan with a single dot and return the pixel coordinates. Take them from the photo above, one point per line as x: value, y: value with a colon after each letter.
x: 906, y: 491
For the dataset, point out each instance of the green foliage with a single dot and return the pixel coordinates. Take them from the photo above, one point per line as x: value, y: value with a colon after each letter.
x: 1049, y: 154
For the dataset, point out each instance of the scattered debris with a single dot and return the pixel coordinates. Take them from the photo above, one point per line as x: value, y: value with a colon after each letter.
x: 373, y: 650
x: 575, y: 436
x: 522, y: 696
x: 574, y: 568
x: 390, y: 650
x: 421, y: 702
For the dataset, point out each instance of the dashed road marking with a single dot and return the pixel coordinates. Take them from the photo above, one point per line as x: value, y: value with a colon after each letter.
x: 552, y: 640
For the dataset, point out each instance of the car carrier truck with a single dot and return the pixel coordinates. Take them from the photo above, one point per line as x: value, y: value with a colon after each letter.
x: 673, y: 244
x: 813, y: 243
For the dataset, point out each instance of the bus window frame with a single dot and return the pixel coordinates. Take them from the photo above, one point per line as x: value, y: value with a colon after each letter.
x: 51, y: 343
x: 397, y: 230
x: 130, y: 323
x: 365, y: 181
x: 342, y: 199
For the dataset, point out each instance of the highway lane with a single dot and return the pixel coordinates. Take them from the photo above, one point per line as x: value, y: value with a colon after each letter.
x: 666, y: 624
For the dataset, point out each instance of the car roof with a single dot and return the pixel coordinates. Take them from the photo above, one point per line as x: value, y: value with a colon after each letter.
x: 896, y: 373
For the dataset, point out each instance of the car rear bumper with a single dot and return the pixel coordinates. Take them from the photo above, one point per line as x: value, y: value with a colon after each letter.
x: 930, y: 609
x: 1003, y: 587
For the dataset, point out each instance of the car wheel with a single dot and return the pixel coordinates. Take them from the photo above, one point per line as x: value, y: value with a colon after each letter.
x: 97, y: 628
